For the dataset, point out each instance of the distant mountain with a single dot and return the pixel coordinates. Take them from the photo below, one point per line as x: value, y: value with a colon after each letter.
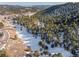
x: 21, y: 9
x: 16, y: 9
x: 41, y: 7
x: 15, y: 6
x: 62, y: 9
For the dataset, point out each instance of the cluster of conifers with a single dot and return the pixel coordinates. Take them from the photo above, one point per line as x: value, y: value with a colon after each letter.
x: 52, y: 31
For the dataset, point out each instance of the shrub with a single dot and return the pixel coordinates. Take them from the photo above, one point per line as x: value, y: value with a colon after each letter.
x: 3, y: 53
x: 46, y: 47
x: 1, y: 25
x: 36, y: 54
x: 40, y: 43
x: 1, y: 34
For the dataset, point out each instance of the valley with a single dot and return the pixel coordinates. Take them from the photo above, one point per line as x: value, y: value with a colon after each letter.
x: 39, y: 31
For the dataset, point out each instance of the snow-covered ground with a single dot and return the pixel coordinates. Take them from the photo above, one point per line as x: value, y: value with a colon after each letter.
x: 33, y: 42
x: 28, y: 38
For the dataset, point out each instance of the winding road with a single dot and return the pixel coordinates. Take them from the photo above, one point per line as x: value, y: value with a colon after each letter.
x: 3, y: 39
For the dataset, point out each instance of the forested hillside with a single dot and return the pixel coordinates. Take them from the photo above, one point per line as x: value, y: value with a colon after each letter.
x: 63, y: 9
x: 55, y: 23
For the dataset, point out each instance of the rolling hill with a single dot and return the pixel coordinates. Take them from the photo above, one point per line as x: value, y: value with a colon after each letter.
x: 62, y: 9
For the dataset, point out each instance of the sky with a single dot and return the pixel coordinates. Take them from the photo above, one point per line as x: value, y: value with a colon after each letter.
x: 30, y: 3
